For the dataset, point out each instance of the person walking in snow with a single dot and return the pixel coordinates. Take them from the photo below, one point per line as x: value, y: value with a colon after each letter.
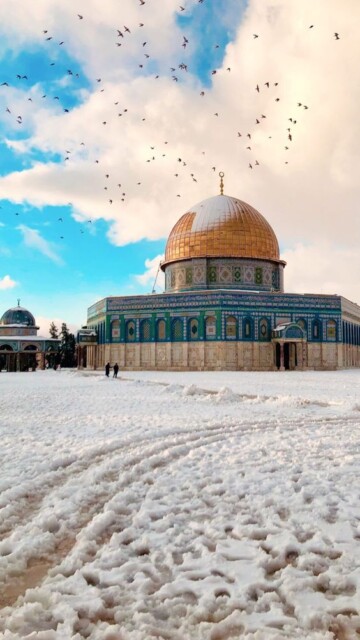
x: 116, y: 369
x: 107, y: 369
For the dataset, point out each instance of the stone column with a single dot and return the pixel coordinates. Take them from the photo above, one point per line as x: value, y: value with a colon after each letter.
x: 282, y: 367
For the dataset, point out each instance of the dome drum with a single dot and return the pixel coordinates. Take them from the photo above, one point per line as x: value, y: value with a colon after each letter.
x: 224, y: 273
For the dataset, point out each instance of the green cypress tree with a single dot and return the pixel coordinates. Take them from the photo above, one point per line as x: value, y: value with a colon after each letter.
x: 67, y: 347
x: 53, y: 330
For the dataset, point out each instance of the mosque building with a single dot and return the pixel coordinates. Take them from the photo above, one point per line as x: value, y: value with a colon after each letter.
x: 21, y: 348
x: 224, y: 306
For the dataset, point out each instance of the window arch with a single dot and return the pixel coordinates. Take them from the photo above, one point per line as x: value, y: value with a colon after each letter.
x: 316, y: 330
x: 210, y: 328
x: 161, y: 330
x: 247, y: 329
x: 31, y: 347
x: 115, y: 330
x: 177, y: 330
x: 264, y: 329
x: 130, y: 331
x: 302, y: 323
x: 231, y: 328
x: 193, y: 329
x: 145, y: 331
x: 331, y: 330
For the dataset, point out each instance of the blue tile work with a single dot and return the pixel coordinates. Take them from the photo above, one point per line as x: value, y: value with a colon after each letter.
x: 310, y: 309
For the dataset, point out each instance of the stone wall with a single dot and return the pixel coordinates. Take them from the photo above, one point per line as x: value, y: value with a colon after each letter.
x: 219, y: 356
x: 179, y: 356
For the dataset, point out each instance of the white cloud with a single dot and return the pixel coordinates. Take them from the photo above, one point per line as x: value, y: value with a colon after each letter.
x: 33, y: 239
x: 322, y: 268
x: 153, y: 276
x: 7, y: 283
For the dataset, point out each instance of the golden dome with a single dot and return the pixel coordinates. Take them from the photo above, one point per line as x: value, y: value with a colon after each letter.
x: 222, y: 227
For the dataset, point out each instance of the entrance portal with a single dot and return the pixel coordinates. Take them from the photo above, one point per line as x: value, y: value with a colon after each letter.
x: 290, y: 355
x: 287, y: 356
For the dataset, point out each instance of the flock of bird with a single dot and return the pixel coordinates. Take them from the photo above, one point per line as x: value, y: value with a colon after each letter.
x: 114, y: 190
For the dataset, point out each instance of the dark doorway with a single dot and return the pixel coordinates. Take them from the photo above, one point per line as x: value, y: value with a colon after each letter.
x: 290, y: 355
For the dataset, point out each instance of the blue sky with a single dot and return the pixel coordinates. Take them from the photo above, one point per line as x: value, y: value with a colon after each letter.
x: 80, y: 260
x: 96, y: 114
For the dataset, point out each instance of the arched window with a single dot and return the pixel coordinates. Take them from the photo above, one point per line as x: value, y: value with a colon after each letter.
x: 193, y: 329
x: 263, y: 329
x: 316, y: 330
x: 331, y: 330
x: 231, y: 328
x: 210, y: 328
x: 115, y: 330
x: 247, y: 329
x: 31, y: 347
x: 302, y: 323
x: 130, y: 331
x: 145, y: 331
x: 177, y: 330
x: 5, y: 347
x: 161, y: 330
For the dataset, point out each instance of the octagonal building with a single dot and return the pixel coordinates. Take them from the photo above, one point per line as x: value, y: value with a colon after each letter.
x: 224, y: 305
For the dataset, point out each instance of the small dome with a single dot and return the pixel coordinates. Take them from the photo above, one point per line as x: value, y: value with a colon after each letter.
x: 224, y: 227
x: 18, y: 315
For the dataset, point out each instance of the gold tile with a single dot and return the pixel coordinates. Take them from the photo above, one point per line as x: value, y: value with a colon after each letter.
x: 240, y: 232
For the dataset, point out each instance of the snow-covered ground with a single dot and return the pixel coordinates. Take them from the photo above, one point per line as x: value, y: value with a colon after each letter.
x: 178, y: 506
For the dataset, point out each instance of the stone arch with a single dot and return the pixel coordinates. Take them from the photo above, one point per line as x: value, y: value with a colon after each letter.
x: 177, y: 330
x: 248, y: 333
x: 161, y: 330
x: 231, y: 328
x: 130, y: 331
x: 210, y: 327
x: 193, y: 329
x: 145, y: 330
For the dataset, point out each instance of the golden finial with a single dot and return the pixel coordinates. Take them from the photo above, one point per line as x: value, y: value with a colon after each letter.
x: 221, y: 174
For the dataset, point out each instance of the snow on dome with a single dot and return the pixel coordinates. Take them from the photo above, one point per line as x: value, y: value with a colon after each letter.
x: 18, y: 315
x: 222, y: 226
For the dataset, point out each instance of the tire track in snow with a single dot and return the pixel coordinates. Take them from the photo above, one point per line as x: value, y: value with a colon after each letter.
x: 19, y: 503
x: 143, y: 461
x: 145, y: 458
